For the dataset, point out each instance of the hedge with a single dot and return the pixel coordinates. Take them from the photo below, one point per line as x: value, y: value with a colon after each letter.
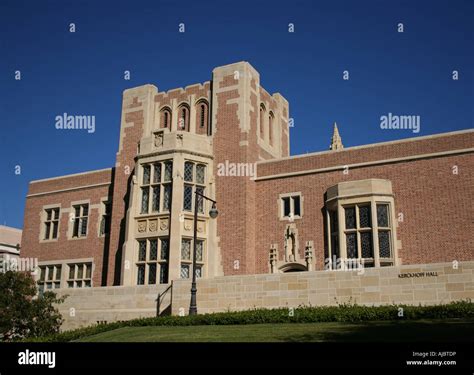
x: 306, y: 314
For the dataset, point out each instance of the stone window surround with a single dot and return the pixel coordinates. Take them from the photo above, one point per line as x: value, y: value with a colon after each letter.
x: 43, y: 220
x: 358, y: 193
x: 158, y: 261
x: 195, y: 184
x: 281, y: 206
x: 189, y: 261
x: 75, y: 278
x: 64, y: 268
x: 152, y: 184
x: 71, y: 217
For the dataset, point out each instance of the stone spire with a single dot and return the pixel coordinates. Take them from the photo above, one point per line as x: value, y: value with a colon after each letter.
x: 336, y: 141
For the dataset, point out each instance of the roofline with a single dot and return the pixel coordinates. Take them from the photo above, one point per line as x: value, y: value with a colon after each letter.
x: 70, y: 175
x: 437, y: 135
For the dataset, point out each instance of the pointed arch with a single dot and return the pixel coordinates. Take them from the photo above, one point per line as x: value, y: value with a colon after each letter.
x: 202, y: 116
x: 183, y: 117
x: 165, y: 118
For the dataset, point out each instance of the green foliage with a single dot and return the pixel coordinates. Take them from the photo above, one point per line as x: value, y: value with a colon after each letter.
x: 342, y: 313
x: 22, y: 314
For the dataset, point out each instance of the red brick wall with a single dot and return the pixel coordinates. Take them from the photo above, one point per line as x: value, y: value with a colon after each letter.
x: 236, y: 195
x: 64, y: 248
x: 437, y: 205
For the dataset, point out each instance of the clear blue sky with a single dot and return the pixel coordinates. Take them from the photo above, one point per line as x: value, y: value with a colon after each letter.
x: 82, y: 72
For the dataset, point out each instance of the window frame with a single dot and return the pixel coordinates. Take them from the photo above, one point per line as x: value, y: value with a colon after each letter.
x: 194, y: 184
x: 160, y: 263
x: 162, y: 184
x: 189, y: 262
x: 281, y: 206
x: 80, y: 219
x: 44, y: 221
x: 338, y: 209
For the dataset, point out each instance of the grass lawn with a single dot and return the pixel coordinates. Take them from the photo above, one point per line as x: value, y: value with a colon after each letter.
x: 454, y: 330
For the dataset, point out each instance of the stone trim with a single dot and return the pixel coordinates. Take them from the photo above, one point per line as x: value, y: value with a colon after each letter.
x: 69, y: 189
x: 70, y: 175
x: 359, y: 165
x: 413, y: 139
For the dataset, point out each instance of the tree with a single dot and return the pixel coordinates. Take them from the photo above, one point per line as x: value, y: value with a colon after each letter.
x: 22, y: 313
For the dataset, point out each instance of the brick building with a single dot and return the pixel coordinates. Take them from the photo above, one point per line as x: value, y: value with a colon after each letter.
x: 385, y: 204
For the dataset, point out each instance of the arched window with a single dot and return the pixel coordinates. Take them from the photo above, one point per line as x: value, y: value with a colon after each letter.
x: 262, y: 121
x: 202, y: 110
x: 165, y: 121
x: 183, y: 118
x: 270, y: 128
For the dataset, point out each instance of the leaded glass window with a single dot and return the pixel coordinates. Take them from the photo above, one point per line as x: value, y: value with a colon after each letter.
x: 382, y: 215
x: 146, y: 174
x: 384, y: 244
x: 185, y: 271
x: 152, y: 273
x: 200, y: 190
x: 188, y: 171
x: 168, y: 170
x: 142, y: 250
x: 188, y: 198
x: 186, y: 249
x: 167, y: 197
x: 153, y: 249
x: 145, y: 197
x: 199, y: 250
x: 200, y: 173
x: 364, y: 217
x: 157, y: 173
x: 141, y: 274
x: 198, y: 271
x: 155, y: 204
x: 351, y: 245
x: 350, y: 217
x: 366, y: 244
x: 163, y: 273
x: 164, y: 248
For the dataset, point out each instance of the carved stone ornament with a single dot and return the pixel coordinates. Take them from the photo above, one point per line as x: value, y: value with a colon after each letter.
x: 142, y: 226
x: 163, y: 224
x: 158, y: 139
x: 152, y: 226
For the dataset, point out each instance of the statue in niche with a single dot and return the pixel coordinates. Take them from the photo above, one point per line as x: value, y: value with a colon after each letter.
x: 291, y: 243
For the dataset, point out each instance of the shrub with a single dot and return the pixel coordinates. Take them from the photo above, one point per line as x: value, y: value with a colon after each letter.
x: 22, y: 315
x: 342, y: 313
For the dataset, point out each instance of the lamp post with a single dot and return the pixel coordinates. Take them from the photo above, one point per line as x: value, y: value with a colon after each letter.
x: 213, y: 214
